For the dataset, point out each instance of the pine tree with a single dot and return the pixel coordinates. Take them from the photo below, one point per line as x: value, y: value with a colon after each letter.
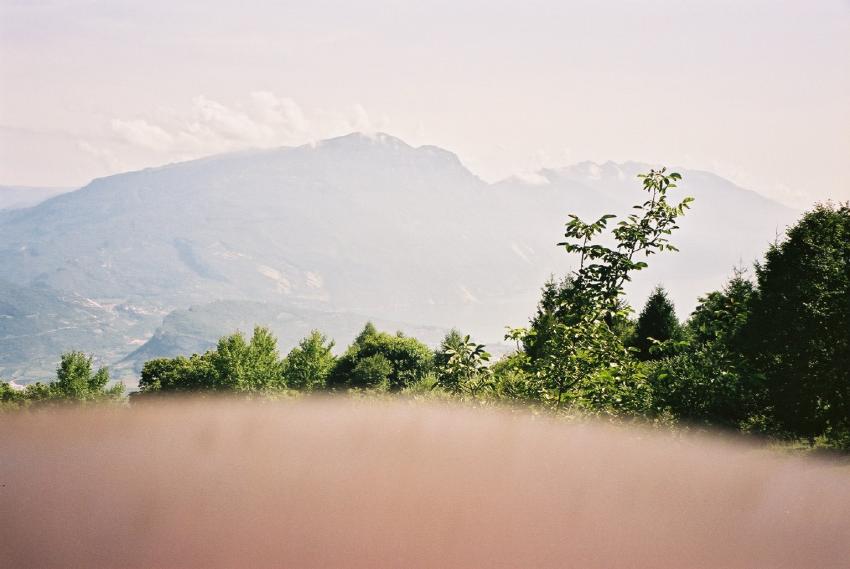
x: 657, y: 323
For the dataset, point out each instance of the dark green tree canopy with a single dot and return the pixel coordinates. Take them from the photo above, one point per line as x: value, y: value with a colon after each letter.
x: 657, y: 323
x: 180, y: 374
x: 553, y: 309
x: 722, y: 315
x: 710, y: 381
x: 799, y: 328
x: 402, y: 361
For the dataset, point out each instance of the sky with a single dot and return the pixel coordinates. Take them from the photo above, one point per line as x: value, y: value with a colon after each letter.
x: 757, y: 91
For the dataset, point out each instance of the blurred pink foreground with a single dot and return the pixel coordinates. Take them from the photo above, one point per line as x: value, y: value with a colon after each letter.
x: 337, y: 484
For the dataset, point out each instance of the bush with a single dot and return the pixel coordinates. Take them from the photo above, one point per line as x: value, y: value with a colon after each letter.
x: 377, y: 359
x: 309, y: 364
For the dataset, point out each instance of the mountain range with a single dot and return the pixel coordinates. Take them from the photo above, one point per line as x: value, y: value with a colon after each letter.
x: 17, y: 197
x: 163, y: 260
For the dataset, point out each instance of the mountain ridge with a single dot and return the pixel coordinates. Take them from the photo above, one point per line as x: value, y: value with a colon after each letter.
x: 352, y: 225
x: 20, y: 197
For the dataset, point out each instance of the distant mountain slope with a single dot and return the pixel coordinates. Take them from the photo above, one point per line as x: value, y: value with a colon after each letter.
x: 196, y: 329
x: 37, y: 323
x: 727, y: 225
x: 17, y: 197
x: 309, y: 225
x: 354, y: 225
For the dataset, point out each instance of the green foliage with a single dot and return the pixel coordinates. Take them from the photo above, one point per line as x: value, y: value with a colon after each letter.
x: 722, y: 315
x: 656, y: 324
x: 604, y: 270
x: 461, y: 364
x: 511, y: 379
x: 798, y: 328
x: 10, y: 398
x: 380, y: 360
x: 576, y: 353
x: 309, y: 364
x: 369, y: 331
x: 711, y: 381
x: 247, y: 366
x: 426, y: 388
x: 178, y: 374
x: 552, y: 311
x: 452, y: 340
x: 76, y: 380
x: 234, y: 365
x: 372, y: 371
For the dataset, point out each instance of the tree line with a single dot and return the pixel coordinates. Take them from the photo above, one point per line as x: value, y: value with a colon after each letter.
x: 768, y: 354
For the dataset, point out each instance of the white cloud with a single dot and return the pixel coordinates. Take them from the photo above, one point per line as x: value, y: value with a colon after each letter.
x: 141, y: 133
x: 280, y: 111
x: 361, y: 121
x: 106, y: 159
x: 263, y: 119
x: 213, y: 119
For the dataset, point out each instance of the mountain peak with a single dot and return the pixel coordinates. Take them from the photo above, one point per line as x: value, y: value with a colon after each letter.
x: 358, y: 224
x: 383, y: 146
x: 361, y: 139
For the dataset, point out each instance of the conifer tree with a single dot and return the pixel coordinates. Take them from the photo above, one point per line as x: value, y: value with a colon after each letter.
x: 657, y: 323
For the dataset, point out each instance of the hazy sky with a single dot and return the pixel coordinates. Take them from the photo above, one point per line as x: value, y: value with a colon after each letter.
x: 755, y: 90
